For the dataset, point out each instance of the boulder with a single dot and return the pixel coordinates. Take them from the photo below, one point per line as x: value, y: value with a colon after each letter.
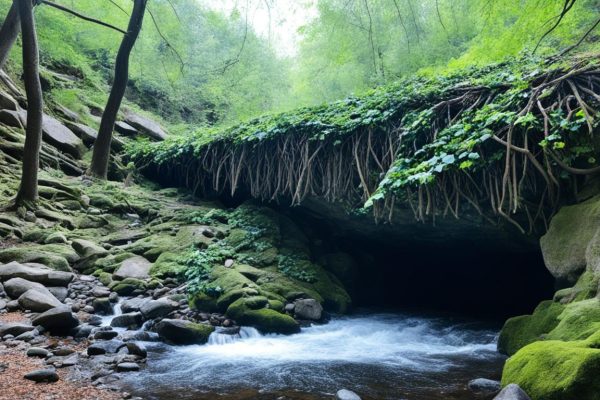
x: 146, y: 126
x: 13, y: 118
x: 345, y: 394
x: 308, y: 309
x: 37, y: 301
x: 136, y: 349
x: 45, y: 276
x: 87, y: 134
x: 42, y: 375
x: 59, y: 292
x: 183, y: 332
x: 251, y: 311
x: 103, y: 306
x: 104, y: 347
x: 125, y: 129
x: 156, y: 308
x: 57, y: 320
x: 512, y: 392
x: 7, y: 102
x: 131, y: 305
x: 14, y: 329
x: 135, y: 267
x: 85, y: 248
x: 127, y: 367
x: 131, y: 320
x: 15, y: 287
x: 61, y: 137
x: 67, y: 113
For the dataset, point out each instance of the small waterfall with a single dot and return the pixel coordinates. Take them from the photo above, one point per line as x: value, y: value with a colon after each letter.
x: 107, y: 319
x: 218, y: 338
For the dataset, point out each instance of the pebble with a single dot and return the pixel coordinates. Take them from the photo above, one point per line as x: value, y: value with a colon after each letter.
x: 37, y: 352
x: 127, y: 367
x: 345, y: 394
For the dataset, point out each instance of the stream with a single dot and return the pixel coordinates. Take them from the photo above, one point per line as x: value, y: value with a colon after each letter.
x: 377, y: 355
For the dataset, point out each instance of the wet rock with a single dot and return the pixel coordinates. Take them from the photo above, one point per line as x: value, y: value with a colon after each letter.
x: 146, y: 126
x: 103, y: 306
x: 183, y: 331
x: 37, y: 301
x: 100, y: 292
x: 104, y: 347
x: 345, y: 394
x: 512, y: 392
x: 105, y: 335
x: 37, y: 352
x: 82, y: 331
x: 136, y: 349
x: 127, y: 367
x: 308, y: 309
x: 135, y: 267
x: 156, y: 308
x: 45, y: 276
x: 132, y: 305
x: 482, y: 385
x: 132, y: 320
x: 143, y: 336
x: 14, y: 329
x: 57, y: 320
x: 43, y: 375
x: 2, y: 304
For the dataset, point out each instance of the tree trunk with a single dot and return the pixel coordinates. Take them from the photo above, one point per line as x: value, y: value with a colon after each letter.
x: 28, y: 191
x: 100, y: 157
x: 9, y: 32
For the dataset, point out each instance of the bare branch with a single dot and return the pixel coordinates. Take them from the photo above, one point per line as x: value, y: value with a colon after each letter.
x: 89, y: 19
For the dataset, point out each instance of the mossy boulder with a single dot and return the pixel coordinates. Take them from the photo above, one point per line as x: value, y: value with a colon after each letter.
x: 520, y: 331
x: 578, y: 320
x: 127, y: 286
x: 168, y: 264
x: 183, y: 332
x: 585, y: 288
x: 252, y: 311
x: 565, y: 244
x: 53, y: 256
x: 555, y: 370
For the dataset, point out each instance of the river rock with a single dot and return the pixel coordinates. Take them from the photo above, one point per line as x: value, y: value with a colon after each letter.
x: 183, y: 332
x: 14, y: 329
x: 345, y: 394
x: 146, y: 126
x: 156, y: 308
x: 512, y: 392
x: 136, y: 349
x: 131, y: 320
x: 57, y: 320
x: 127, y: 367
x: 86, y: 249
x: 2, y: 304
x: 105, y: 335
x: 37, y: 352
x: 102, y: 306
x: 61, y: 293
x: 482, y: 385
x: 43, y: 275
x: 104, y: 347
x: 15, y: 287
x: 61, y: 137
x: 132, y: 305
x: 37, y: 301
x: 308, y: 309
x: 135, y: 267
x: 43, y: 375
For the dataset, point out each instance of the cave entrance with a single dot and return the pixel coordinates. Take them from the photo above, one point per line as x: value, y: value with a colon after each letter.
x: 431, y: 268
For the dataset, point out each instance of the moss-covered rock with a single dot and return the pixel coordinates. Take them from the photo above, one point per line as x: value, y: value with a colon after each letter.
x: 555, y: 370
x: 251, y: 311
x: 520, y: 331
x: 127, y: 286
x: 168, y: 264
x: 585, y: 288
x: 183, y: 332
x: 52, y: 255
x: 578, y: 320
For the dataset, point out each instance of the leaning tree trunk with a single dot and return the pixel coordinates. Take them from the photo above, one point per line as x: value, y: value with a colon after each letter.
x: 28, y: 191
x: 9, y: 32
x: 100, y: 157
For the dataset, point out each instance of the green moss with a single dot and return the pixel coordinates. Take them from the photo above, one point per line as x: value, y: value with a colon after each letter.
x: 111, y: 262
x: 127, y: 286
x: 585, y: 288
x: 104, y: 277
x: 555, y: 370
x: 168, y: 265
x: 264, y: 319
x: 578, y: 321
x: 48, y: 255
x: 203, y: 302
x: 520, y: 331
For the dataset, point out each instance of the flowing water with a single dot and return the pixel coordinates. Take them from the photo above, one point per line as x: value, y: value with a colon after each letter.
x: 377, y: 355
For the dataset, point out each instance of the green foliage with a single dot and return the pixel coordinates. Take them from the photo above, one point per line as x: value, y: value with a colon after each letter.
x: 295, y: 267
x: 199, y: 265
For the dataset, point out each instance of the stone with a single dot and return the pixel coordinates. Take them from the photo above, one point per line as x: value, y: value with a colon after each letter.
x: 61, y: 293
x: 130, y: 320
x: 61, y: 137
x: 2, y: 304
x: 131, y: 305
x: 57, y: 320
x: 228, y: 263
x: 127, y: 367
x: 67, y: 113
x: 345, y: 394
x: 45, y: 276
x: 136, y: 349
x: 125, y: 129
x: 28, y: 336
x: 104, y: 347
x: 7, y: 102
x: 482, y: 385
x: 156, y: 308
x: 183, y: 332
x: 37, y: 301
x: 105, y: 335
x: 43, y: 375
x: 135, y: 267
x: 86, y: 249
x: 15, y: 287
x: 512, y: 392
x: 308, y: 309
x: 12, y: 118
x: 87, y: 134
x: 37, y: 352
x: 146, y: 126
x: 14, y: 329
x: 102, y: 306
